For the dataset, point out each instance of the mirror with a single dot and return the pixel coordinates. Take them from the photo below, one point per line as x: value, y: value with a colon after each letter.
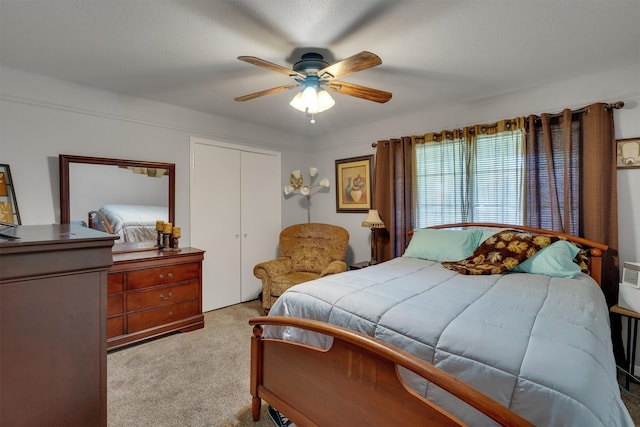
x: 123, y: 197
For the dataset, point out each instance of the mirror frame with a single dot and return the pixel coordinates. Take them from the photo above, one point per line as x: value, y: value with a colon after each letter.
x: 66, y: 159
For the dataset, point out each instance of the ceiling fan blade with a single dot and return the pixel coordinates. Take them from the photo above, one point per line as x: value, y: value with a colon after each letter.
x: 358, y: 91
x: 267, y: 92
x: 358, y: 62
x: 271, y: 66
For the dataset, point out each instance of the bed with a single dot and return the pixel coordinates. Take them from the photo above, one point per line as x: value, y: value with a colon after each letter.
x: 533, y: 346
x: 133, y: 223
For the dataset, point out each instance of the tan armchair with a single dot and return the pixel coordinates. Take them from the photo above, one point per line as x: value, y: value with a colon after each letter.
x: 307, y: 252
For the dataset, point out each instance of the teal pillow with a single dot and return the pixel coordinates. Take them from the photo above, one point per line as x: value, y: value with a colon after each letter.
x: 488, y: 233
x: 556, y: 260
x: 442, y: 245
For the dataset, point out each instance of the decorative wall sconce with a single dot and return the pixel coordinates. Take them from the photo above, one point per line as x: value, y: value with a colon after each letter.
x: 297, y: 186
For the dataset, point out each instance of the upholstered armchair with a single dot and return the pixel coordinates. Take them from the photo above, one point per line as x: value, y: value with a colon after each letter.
x: 307, y: 252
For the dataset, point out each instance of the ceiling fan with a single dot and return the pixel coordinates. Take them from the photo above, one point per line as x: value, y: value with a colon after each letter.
x: 316, y: 77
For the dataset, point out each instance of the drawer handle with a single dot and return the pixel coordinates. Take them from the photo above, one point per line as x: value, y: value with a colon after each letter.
x: 170, y: 275
x: 169, y: 295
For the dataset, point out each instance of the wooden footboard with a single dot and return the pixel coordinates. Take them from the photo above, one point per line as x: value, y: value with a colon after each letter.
x: 355, y: 382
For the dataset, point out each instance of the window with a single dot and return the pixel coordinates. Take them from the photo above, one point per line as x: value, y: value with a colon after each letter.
x: 477, y: 179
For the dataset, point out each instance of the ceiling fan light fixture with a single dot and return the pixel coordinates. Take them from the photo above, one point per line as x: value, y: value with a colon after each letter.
x: 314, y: 74
x: 311, y: 101
x: 296, y: 102
x: 325, y: 101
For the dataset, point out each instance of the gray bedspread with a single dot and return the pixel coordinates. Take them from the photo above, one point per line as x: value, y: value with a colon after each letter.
x: 539, y: 345
x: 134, y: 223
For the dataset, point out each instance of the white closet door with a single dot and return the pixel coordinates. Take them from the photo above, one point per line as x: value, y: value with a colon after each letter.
x: 215, y: 222
x: 260, y: 213
x: 235, y: 217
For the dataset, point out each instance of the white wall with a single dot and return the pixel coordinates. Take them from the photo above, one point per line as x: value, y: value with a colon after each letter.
x: 41, y: 118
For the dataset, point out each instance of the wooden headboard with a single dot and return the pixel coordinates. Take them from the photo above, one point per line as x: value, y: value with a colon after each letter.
x: 593, y: 249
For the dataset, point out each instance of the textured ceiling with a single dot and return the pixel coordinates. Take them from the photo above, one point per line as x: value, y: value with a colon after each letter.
x: 184, y: 52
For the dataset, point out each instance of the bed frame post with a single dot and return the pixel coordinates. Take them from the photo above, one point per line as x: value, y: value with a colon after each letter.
x: 256, y: 371
x: 595, y: 265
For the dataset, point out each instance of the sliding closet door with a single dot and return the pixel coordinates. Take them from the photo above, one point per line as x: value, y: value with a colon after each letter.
x: 235, y: 218
x: 215, y: 222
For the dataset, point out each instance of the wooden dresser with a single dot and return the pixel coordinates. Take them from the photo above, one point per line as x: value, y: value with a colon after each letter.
x: 53, y: 356
x: 152, y: 293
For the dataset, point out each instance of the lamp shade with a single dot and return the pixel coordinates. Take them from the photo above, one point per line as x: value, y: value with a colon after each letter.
x: 373, y: 220
x: 325, y: 101
x: 312, y: 101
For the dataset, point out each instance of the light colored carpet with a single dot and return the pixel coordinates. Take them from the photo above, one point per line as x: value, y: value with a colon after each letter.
x: 200, y: 378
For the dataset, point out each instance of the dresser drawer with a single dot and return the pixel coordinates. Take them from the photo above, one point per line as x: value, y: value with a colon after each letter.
x: 115, y: 326
x: 163, y: 275
x: 160, y: 316
x: 114, y: 283
x: 166, y: 295
x: 115, y: 304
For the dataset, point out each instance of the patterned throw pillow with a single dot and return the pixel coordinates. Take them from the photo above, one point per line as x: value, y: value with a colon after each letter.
x: 501, y: 252
x: 582, y: 259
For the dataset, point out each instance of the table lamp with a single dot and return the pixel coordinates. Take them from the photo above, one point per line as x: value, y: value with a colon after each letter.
x: 373, y: 221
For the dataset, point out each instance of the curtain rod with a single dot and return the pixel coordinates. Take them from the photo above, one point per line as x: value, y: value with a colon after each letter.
x: 613, y: 106
x: 375, y: 144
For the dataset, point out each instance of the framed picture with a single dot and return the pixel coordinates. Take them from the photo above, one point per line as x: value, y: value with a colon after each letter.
x: 8, y: 205
x: 628, y: 153
x: 354, y: 186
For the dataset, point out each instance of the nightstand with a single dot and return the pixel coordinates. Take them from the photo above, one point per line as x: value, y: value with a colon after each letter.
x: 361, y: 265
x: 632, y: 325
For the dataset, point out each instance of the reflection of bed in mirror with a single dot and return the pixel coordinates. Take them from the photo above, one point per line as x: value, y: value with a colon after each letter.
x: 133, y: 223
x: 118, y: 196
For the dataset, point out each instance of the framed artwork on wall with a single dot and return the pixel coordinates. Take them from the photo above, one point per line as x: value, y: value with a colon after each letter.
x: 628, y: 153
x: 9, y: 213
x: 354, y: 186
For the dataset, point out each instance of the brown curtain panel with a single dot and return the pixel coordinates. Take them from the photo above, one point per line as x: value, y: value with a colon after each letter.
x: 393, y: 196
x: 572, y: 185
x: 572, y: 179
